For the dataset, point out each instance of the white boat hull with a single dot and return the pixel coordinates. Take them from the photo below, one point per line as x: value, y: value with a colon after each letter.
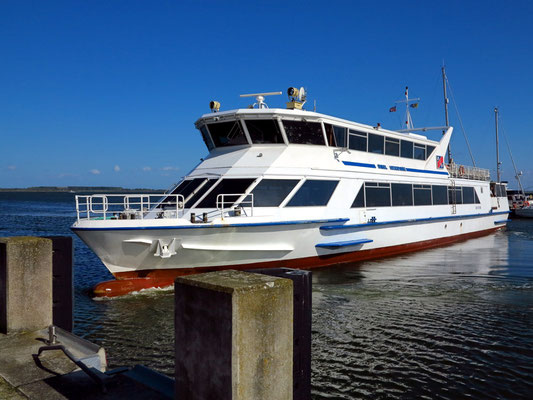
x: 129, y: 253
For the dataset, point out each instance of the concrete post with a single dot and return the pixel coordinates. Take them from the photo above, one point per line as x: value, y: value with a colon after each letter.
x: 25, y: 284
x: 233, y: 336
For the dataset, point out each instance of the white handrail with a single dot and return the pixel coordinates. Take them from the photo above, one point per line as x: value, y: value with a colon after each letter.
x: 238, y: 199
x: 129, y: 206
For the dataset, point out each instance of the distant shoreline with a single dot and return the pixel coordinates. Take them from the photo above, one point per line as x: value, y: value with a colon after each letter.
x: 82, y: 189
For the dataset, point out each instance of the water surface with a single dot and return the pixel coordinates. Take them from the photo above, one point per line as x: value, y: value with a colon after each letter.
x: 446, y: 323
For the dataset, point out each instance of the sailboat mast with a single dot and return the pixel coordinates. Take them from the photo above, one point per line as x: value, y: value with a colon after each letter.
x: 497, y: 146
x: 446, y: 101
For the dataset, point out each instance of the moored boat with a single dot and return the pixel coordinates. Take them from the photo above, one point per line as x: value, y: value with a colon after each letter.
x: 291, y: 188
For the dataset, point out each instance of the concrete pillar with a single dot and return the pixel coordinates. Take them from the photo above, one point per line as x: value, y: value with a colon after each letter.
x: 25, y: 284
x: 302, y: 291
x: 233, y: 336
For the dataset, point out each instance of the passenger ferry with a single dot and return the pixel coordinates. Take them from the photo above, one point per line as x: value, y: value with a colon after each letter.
x: 291, y: 188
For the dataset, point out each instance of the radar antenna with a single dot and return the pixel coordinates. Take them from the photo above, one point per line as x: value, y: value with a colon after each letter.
x: 260, y: 97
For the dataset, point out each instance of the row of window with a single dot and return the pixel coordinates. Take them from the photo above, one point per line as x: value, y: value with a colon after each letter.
x: 377, y: 144
x: 374, y: 194
x: 272, y: 192
x: 231, y: 133
x: 268, y: 193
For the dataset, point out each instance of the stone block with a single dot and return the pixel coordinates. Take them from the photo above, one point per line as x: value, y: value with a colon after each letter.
x: 233, y: 336
x: 25, y: 284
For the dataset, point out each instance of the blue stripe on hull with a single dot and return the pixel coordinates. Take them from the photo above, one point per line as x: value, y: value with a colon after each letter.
x: 409, y: 221
x: 203, y: 226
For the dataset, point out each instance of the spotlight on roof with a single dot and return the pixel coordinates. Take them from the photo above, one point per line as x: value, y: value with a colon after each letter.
x: 214, y: 106
x: 297, y: 98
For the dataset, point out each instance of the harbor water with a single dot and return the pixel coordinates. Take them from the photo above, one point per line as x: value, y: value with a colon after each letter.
x: 445, y: 323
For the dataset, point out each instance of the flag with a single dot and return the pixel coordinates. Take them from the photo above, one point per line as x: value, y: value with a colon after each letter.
x: 414, y: 105
x: 392, y: 109
x: 440, y: 162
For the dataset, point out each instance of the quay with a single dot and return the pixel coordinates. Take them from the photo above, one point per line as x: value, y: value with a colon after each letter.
x: 239, y: 335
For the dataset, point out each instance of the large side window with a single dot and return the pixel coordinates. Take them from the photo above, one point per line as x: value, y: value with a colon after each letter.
x: 406, y: 149
x: 420, y: 151
x: 402, y: 194
x: 392, y: 146
x: 313, y: 193
x: 377, y: 194
x: 304, y: 132
x: 264, y: 131
x: 271, y: 192
x: 359, y: 200
x: 468, y: 195
x: 357, y: 140
x: 376, y: 144
x: 187, y: 187
x: 422, y: 195
x: 429, y: 150
x: 476, y: 199
x: 455, y: 195
x: 440, y: 195
x: 226, y: 186
x: 227, y: 133
x: 201, y: 191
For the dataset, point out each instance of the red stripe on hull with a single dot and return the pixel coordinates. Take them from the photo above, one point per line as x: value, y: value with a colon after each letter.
x: 308, y: 262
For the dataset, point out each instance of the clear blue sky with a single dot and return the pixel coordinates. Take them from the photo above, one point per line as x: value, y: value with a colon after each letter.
x: 107, y: 92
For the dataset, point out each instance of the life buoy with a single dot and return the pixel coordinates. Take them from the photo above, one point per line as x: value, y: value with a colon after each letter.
x: 461, y: 170
x: 526, y: 204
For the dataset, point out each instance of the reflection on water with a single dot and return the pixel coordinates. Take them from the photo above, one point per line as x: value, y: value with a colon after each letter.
x: 452, y: 322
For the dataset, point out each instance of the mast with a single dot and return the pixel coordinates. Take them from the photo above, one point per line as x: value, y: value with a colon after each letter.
x: 497, y: 146
x: 446, y: 101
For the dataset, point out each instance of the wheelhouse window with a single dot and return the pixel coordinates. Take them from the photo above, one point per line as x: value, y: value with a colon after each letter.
x: 336, y: 135
x: 392, y: 146
x: 340, y: 136
x: 207, y: 140
x: 376, y: 144
x: 271, y: 192
x: 357, y: 140
x: 429, y: 150
x: 226, y: 186
x: 422, y: 195
x: 402, y: 194
x: 304, y: 132
x: 264, y: 131
x: 377, y: 194
x: 406, y: 149
x: 313, y: 193
x: 227, y: 133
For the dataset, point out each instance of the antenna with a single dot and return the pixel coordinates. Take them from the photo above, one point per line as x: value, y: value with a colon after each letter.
x: 408, y: 120
x: 260, y: 97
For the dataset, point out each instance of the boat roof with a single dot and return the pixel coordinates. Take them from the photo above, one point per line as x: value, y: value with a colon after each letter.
x: 253, y: 113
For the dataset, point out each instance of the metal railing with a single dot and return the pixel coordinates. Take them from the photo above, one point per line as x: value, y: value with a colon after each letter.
x: 235, y: 204
x: 466, y: 172
x: 129, y: 206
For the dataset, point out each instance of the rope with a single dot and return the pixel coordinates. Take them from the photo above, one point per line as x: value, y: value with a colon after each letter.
x: 460, y: 122
x: 517, y: 175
